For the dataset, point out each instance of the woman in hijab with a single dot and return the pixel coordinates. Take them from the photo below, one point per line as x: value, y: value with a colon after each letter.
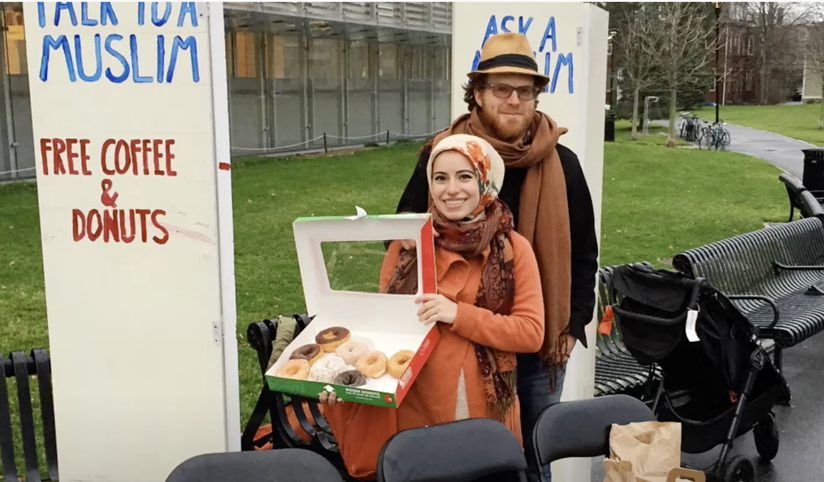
x: 489, y: 306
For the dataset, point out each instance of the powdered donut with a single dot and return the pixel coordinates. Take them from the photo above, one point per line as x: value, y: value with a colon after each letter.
x: 350, y: 378
x: 331, y: 338
x: 294, y: 369
x: 372, y: 365
x: 398, y: 363
x: 327, y: 369
x: 310, y: 353
x: 352, y: 351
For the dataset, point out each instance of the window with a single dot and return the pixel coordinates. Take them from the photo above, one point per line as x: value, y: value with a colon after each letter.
x: 325, y: 59
x: 359, y: 60
x: 714, y: 80
x: 417, y: 63
x: 245, y: 50
x: 229, y: 53
x: 15, y: 41
x: 388, y: 61
x: 284, y: 60
x: 748, y: 82
x: 442, y: 63
x: 750, y: 42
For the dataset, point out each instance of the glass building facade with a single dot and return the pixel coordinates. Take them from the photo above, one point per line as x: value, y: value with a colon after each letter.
x: 300, y: 76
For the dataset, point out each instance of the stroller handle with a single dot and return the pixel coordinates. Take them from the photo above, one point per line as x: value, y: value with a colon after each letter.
x: 653, y: 320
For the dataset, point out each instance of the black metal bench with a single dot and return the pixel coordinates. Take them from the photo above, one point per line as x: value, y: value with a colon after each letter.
x: 260, y: 337
x: 775, y: 275
x: 20, y: 367
x: 807, y: 202
x: 616, y: 370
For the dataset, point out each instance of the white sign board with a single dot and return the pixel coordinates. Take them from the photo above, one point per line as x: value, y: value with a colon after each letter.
x: 130, y: 121
x: 569, y: 41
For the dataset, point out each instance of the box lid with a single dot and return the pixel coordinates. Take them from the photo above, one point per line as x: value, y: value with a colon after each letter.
x: 319, y: 295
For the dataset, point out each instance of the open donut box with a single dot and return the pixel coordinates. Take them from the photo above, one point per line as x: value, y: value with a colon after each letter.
x: 385, y: 322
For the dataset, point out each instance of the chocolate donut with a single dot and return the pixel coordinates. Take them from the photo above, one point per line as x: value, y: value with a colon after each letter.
x: 350, y: 378
x: 331, y: 338
x: 311, y: 353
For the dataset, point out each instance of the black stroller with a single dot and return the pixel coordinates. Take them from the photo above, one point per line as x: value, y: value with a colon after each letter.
x: 716, y: 379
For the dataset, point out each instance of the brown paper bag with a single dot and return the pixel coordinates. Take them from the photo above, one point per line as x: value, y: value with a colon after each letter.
x: 646, y: 452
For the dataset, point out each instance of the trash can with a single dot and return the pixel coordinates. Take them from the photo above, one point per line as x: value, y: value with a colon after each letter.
x: 813, y: 177
x: 609, y: 128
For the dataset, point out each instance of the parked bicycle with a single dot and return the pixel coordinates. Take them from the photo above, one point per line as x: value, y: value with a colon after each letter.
x: 715, y: 135
x: 690, y: 127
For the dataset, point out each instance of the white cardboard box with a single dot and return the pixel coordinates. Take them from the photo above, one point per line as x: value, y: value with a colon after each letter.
x: 387, y: 323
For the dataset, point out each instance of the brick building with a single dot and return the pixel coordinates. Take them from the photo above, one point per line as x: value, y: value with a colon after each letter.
x: 739, y: 60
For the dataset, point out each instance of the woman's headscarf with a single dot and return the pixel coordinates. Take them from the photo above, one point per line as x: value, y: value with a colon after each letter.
x: 487, y: 163
x: 487, y: 226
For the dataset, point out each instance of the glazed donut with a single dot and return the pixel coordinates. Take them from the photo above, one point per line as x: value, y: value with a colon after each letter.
x: 398, y: 363
x: 327, y: 369
x: 352, y: 351
x: 350, y: 378
x: 310, y: 353
x: 294, y: 369
x: 331, y: 338
x: 372, y: 365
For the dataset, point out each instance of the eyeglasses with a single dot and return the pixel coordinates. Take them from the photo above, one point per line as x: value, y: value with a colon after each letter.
x: 503, y: 91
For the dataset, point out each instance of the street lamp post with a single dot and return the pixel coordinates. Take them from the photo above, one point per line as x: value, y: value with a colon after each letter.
x: 717, y: 6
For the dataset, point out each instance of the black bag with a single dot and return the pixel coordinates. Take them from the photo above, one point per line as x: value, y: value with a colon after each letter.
x: 652, y: 312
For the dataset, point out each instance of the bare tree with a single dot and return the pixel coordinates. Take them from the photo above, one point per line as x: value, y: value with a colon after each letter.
x: 774, y: 25
x: 636, y: 33
x: 814, y: 63
x: 681, y: 47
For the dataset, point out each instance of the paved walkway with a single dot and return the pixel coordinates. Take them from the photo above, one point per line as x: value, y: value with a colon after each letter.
x: 780, y: 151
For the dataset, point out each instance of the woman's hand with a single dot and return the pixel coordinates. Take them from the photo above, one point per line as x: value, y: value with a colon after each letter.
x: 329, y: 399
x: 436, y: 308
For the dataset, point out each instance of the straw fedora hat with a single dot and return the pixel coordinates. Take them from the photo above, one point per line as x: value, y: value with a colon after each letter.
x: 507, y: 53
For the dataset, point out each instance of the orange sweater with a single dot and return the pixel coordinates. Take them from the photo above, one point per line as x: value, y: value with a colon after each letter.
x: 437, y: 395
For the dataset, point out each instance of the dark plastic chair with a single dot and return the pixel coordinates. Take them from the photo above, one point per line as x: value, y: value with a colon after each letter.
x: 471, y: 450
x: 581, y: 428
x: 286, y: 465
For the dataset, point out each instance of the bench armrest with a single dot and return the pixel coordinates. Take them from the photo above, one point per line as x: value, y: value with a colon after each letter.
x: 777, y: 267
x: 759, y: 298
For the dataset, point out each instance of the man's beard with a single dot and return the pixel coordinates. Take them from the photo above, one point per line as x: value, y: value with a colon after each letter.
x: 501, y: 131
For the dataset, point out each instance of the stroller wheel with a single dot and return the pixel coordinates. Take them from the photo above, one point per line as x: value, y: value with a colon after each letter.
x: 766, y: 438
x: 739, y: 469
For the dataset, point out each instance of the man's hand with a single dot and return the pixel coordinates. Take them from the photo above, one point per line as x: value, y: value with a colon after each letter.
x: 327, y: 399
x: 436, y: 308
x: 571, y: 340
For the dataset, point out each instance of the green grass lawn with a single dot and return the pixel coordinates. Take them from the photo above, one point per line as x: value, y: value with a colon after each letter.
x: 656, y: 202
x: 796, y: 121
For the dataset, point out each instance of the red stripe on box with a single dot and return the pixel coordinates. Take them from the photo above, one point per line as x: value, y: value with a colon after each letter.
x: 416, y: 364
x: 427, y: 243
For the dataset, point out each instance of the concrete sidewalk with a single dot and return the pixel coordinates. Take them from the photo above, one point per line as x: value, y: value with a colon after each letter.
x: 780, y: 151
